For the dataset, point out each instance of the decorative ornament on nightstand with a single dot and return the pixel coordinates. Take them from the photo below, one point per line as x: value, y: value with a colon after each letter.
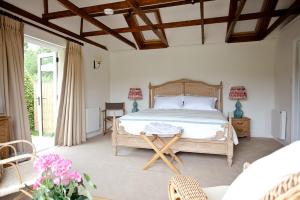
x: 238, y: 93
x: 135, y: 94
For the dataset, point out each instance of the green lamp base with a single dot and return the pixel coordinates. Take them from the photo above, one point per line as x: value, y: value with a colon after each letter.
x: 238, y: 113
x: 135, y: 107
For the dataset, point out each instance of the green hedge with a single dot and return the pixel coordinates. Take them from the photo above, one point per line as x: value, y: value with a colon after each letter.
x: 29, y: 97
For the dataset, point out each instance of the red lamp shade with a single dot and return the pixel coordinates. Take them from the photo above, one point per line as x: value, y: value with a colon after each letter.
x: 238, y: 93
x: 135, y: 93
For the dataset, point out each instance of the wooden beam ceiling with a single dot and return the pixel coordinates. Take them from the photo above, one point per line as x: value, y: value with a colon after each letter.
x: 139, y: 37
x: 202, y: 20
x: 36, y: 19
x: 140, y: 7
x: 135, y: 6
x: 237, y: 15
x: 121, y: 7
x: 295, y: 5
x: 85, y: 15
x: 263, y: 23
x: 197, y: 22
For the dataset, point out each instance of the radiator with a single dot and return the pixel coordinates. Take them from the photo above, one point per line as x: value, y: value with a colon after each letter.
x: 92, y: 119
x: 279, y: 124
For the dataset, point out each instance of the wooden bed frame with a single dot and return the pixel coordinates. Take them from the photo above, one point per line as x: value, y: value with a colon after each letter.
x: 173, y: 88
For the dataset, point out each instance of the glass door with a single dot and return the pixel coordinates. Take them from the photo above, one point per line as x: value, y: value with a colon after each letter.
x: 46, y: 95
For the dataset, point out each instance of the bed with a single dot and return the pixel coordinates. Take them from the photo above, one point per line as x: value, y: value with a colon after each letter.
x: 200, y: 134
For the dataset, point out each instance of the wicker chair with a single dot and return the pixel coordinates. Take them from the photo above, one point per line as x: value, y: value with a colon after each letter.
x: 187, y: 188
x: 19, y: 172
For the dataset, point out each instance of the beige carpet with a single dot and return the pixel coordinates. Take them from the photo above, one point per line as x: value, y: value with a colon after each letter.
x: 122, y: 178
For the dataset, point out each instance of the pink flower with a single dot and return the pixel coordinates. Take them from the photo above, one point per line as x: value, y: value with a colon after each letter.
x: 44, y: 162
x: 38, y: 182
x: 54, y: 167
x: 75, y: 176
x: 70, y: 176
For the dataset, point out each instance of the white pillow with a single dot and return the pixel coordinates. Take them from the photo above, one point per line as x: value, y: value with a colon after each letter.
x: 265, y: 173
x: 199, y: 103
x: 168, y: 102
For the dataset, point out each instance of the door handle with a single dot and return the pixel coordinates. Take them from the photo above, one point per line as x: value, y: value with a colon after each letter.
x: 39, y: 100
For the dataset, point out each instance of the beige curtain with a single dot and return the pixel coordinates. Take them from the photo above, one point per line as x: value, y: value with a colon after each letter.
x: 12, y: 74
x: 70, y: 128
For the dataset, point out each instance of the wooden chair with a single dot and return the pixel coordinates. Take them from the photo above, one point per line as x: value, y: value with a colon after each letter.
x: 108, y: 117
x: 20, y: 172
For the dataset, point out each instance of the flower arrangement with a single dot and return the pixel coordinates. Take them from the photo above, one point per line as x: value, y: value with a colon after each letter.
x: 56, y: 180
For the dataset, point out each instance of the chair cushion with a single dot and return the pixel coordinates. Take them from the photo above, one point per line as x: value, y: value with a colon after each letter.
x: 10, y: 182
x: 262, y: 175
x: 215, y: 193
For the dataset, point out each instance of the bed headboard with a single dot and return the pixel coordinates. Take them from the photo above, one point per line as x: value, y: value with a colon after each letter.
x: 187, y: 87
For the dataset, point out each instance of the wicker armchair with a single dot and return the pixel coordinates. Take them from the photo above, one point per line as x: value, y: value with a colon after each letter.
x: 187, y: 188
x: 19, y: 172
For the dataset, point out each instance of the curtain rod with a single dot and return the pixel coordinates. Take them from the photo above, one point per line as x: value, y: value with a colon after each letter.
x: 2, y: 12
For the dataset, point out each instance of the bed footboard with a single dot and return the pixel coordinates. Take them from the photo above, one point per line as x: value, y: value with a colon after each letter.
x: 229, y: 141
x: 114, y: 137
x: 218, y: 147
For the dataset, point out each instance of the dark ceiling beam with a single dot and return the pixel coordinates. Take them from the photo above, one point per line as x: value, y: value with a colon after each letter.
x: 136, y: 8
x: 150, y: 7
x: 2, y: 12
x: 46, y: 7
x: 235, y: 19
x: 232, y: 11
x: 23, y: 13
x: 67, y: 4
x: 263, y: 23
x: 196, y: 22
x: 121, y: 7
x: 81, y: 26
x: 202, y: 20
x: 290, y: 10
x: 243, y: 37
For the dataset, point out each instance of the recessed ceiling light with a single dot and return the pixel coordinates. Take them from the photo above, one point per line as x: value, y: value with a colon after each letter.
x: 108, y: 11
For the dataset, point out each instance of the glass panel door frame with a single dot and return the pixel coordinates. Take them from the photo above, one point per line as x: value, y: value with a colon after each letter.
x: 48, y: 67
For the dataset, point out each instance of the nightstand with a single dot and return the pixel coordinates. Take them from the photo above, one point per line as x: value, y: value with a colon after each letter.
x: 241, y: 126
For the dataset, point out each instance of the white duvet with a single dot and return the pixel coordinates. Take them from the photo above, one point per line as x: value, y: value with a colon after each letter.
x: 196, y: 124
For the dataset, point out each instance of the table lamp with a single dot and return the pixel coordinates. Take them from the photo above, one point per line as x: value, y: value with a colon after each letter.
x: 238, y: 93
x: 135, y: 94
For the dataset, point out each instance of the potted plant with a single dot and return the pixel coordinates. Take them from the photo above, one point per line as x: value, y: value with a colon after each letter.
x: 56, y: 180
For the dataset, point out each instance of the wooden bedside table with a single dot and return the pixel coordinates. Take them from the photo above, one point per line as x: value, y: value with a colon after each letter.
x: 241, y: 126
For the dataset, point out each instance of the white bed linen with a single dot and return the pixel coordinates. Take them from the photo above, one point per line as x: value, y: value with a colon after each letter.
x: 196, y: 124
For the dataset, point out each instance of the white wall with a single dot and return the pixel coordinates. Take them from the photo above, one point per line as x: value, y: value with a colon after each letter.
x: 284, y: 70
x: 248, y: 64
x: 96, y: 81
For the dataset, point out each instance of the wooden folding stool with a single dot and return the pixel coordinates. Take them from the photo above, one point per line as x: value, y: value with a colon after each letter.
x: 160, y: 152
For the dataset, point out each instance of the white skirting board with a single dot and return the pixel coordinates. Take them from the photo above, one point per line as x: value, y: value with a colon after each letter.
x: 279, y: 124
x: 92, y: 119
